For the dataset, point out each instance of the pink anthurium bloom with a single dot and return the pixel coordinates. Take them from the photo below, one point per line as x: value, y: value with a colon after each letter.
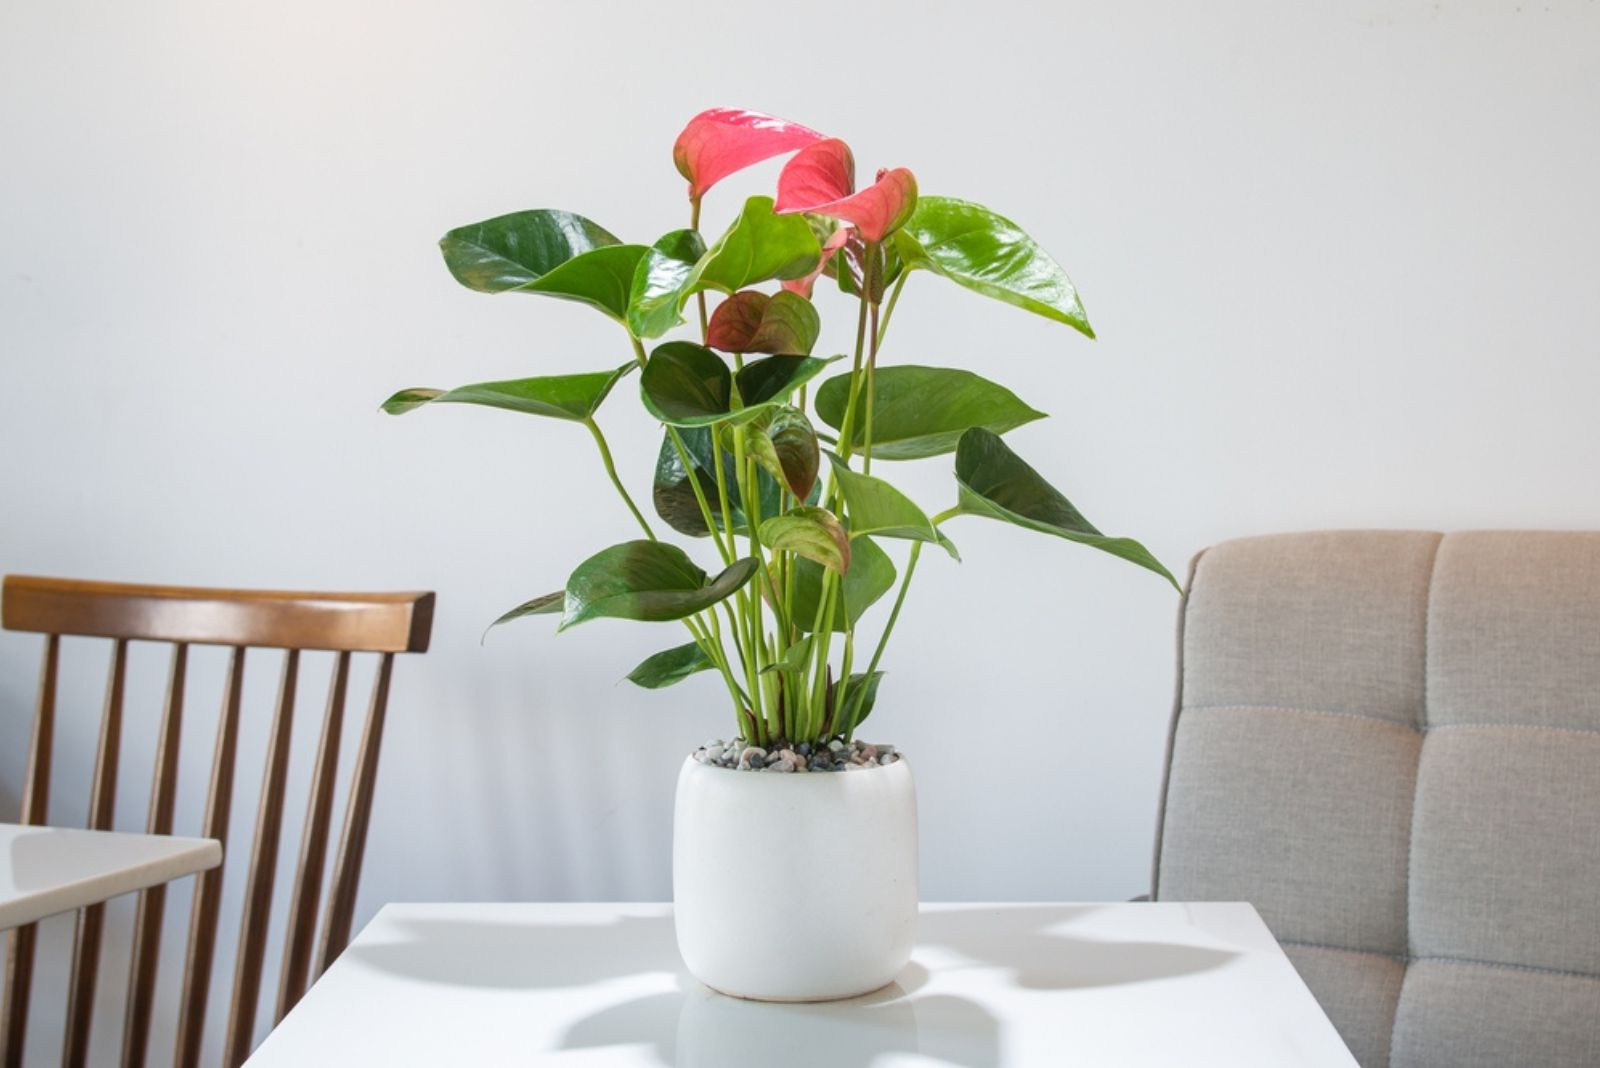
x: 720, y: 141
x: 821, y: 179
x: 804, y: 286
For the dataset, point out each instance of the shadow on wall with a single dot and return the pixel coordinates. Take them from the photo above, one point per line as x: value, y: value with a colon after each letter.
x: 693, y: 1027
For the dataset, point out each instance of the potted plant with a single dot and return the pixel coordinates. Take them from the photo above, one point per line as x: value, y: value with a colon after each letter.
x: 772, y: 457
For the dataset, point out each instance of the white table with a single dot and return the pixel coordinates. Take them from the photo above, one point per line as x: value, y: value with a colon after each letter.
x: 1096, y: 986
x: 46, y: 870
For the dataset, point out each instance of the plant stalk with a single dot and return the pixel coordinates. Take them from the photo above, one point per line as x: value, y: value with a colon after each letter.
x: 611, y: 471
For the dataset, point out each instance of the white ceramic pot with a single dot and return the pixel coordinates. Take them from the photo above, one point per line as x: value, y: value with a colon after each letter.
x: 795, y: 887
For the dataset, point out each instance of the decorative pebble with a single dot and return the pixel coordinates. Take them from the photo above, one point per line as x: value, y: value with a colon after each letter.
x: 778, y: 755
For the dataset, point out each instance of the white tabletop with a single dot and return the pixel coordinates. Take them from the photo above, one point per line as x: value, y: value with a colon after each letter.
x: 1098, y: 986
x: 46, y: 870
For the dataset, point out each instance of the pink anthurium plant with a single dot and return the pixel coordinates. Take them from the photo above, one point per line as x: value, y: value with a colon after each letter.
x: 784, y: 493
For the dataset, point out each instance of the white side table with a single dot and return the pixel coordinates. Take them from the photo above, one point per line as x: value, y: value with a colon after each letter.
x: 46, y: 870
x: 989, y: 986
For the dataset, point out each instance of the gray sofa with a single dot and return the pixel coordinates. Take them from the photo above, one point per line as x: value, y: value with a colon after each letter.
x: 1389, y: 742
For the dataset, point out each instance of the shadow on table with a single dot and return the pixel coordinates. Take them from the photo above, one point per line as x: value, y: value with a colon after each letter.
x: 1032, y: 943
x: 693, y: 1027
x: 698, y: 1028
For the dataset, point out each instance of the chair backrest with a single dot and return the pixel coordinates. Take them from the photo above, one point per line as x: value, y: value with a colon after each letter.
x: 1390, y: 743
x: 344, y: 623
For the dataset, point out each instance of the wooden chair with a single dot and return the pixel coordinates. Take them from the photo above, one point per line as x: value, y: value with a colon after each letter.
x: 344, y: 623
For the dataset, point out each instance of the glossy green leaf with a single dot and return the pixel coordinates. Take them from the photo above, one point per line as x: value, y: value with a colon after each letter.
x: 752, y: 321
x: 875, y: 507
x: 860, y: 695
x: 773, y: 379
x: 547, y: 604
x: 513, y: 250
x: 759, y: 246
x: 658, y: 280
x: 783, y: 442
x: 684, y: 384
x: 811, y: 533
x: 648, y: 581
x: 995, y: 482
x: 573, y: 397
x: 923, y: 411
x: 688, y: 385
x: 555, y: 253
x: 674, y: 497
x: 670, y: 666
x: 871, y: 575
x: 972, y: 246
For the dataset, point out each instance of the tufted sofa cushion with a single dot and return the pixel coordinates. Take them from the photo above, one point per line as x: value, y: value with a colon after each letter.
x: 1389, y: 742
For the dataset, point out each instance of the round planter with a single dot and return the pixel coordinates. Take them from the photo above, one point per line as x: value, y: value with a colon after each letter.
x: 795, y: 887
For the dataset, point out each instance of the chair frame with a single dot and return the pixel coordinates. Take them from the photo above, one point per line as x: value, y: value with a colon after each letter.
x: 344, y: 623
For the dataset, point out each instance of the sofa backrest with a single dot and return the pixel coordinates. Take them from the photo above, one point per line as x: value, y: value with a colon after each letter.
x: 1389, y: 742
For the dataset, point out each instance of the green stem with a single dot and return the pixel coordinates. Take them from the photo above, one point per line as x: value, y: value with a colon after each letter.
x: 872, y: 393
x: 611, y: 471
x: 888, y: 309
x: 894, y: 613
x: 700, y: 297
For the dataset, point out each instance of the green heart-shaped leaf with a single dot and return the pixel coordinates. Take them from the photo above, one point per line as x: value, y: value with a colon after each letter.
x: 551, y: 252
x: 811, y: 533
x: 674, y: 497
x: 573, y: 397
x: 972, y: 246
x: 995, y: 482
x: 688, y: 385
x: 923, y: 411
x: 773, y: 379
x: 648, y: 581
x: 751, y: 321
x: 670, y: 666
x: 758, y: 246
x: 871, y: 575
x: 512, y: 250
x: 783, y: 442
x: 653, y: 301
x: 684, y: 384
x: 875, y: 507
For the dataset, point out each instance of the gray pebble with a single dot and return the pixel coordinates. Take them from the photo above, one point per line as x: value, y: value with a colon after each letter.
x: 836, y: 745
x: 783, y: 764
x: 714, y: 752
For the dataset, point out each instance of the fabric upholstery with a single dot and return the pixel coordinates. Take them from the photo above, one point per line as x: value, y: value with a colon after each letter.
x: 1390, y: 743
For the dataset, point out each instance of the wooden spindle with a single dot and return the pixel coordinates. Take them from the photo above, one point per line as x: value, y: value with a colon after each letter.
x: 302, y: 929
x: 358, y: 814
x: 91, y: 920
x: 208, y: 889
x: 152, y: 902
x: 35, y: 805
x: 263, y: 867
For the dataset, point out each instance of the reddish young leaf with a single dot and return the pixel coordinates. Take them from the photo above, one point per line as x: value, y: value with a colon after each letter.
x: 735, y: 321
x: 750, y: 321
x: 821, y: 179
x: 804, y: 286
x: 720, y: 141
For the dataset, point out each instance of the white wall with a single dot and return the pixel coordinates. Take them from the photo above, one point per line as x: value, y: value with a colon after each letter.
x: 1341, y: 257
